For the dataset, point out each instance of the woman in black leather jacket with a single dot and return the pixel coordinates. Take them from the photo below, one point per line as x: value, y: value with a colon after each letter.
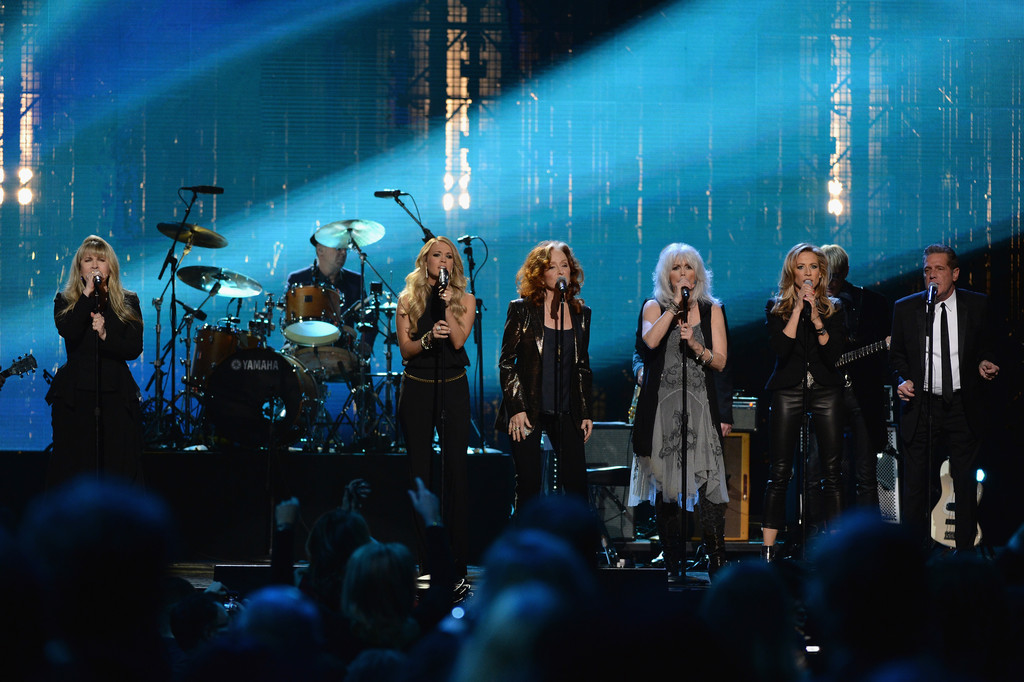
x: 549, y: 283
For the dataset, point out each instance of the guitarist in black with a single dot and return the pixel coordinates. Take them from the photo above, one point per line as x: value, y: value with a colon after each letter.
x: 868, y: 316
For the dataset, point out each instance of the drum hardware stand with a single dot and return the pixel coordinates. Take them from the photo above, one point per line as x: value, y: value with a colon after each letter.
x: 390, y: 378
x: 158, y: 373
x: 161, y: 354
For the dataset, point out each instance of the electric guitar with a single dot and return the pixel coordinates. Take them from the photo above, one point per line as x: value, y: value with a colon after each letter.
x: 944, y: 514
x: 23, y: 365
x: 863, y: 352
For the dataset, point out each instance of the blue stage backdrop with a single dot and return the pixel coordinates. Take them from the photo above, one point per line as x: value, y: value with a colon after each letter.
x: 617, y: 127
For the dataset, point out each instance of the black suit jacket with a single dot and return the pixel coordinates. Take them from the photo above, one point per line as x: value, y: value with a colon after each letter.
x: 907, y: 353
x: 519, y: 364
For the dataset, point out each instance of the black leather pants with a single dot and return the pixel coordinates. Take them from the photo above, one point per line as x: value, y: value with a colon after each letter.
x: 825, y: 404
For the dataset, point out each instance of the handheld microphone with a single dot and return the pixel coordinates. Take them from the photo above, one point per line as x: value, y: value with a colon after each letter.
x: 806, y: 312
x: 389, y: 193
x: 97, y: 281
x: 933, y: 291
x: 442, y: 279
x: 466, y: 239
x: 203, y: 189
x: 686, y: 302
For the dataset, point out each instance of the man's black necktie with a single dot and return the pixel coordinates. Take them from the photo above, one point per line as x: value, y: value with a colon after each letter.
x: 947, y: 365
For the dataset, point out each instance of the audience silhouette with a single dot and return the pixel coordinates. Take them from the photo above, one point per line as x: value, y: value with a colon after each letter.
x: 87, y: 597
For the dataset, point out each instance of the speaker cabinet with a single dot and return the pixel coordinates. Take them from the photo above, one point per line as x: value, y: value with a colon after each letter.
x: 737, y: 472
x: 609, y: 455
x: 610, y: 446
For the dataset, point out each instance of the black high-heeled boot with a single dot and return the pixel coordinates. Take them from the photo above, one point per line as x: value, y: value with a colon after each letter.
x: 769, y: 553
x: 712, y: 520
x: 669, y: 518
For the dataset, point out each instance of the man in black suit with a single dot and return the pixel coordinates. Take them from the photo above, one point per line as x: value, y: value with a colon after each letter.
x: 941, y: 386
x: 868, y: 316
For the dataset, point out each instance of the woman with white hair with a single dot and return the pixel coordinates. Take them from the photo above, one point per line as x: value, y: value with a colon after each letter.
x: 682, y: 339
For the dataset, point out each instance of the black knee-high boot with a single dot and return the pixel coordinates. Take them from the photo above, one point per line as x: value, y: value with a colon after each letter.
x: 712, y: 522
x: 670, y: 531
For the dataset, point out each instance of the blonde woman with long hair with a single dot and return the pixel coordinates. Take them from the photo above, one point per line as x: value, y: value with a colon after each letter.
x: 101, y: 324
x: 435, y: 317
x: 806, y: 332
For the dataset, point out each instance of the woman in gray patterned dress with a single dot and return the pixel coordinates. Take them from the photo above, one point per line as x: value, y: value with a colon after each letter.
x: 682, y: 342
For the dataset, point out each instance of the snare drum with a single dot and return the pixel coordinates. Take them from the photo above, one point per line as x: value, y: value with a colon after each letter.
x: 213, y: 344
x: 328, y: 363
x: 259, y: 397
x: 312, y: 315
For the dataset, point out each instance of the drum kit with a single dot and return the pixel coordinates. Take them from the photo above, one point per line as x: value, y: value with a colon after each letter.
x: 240, y: 390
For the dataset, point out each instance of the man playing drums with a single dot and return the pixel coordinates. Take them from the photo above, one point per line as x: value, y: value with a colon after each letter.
x: 326, y: 295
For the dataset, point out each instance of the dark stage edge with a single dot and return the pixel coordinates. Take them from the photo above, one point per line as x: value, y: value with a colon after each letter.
x: 223, y: 501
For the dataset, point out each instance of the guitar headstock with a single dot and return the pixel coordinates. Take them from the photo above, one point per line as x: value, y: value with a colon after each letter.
x: 23, y: 365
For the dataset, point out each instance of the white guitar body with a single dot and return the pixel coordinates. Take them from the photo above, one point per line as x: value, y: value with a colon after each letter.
x: 944, y: 514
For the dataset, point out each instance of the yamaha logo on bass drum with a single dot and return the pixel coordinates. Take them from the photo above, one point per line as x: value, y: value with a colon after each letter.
x: 257, y: 365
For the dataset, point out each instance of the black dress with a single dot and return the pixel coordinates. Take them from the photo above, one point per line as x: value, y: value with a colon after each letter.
x: 76, y: 385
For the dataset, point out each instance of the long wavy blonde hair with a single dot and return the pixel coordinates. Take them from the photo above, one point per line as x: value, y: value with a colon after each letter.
x: 75, y: 285
x: 530, y: 278
x: 417, y: 288
x: 788, y: 291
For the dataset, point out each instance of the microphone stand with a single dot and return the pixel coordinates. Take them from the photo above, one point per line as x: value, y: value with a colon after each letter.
x: 427, y: 234
x: 478, y: 339
x: 805, y: 423
x: 684, y: 419
x: 174, y: 263
x: 443, y: 423
x: 930, y: 374
x: 555, y: 483
x: 98, y: 411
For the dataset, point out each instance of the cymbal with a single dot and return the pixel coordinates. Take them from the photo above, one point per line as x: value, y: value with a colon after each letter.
x: 343, y: 233
x: 199, y: 236
x: 232, y: 284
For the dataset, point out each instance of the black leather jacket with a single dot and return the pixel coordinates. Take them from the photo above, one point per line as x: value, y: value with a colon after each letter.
x: 520, y: 364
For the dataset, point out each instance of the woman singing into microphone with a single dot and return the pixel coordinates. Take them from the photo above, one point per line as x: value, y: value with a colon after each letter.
x: 435, y: 316
x: 101, y: 324
x: 806, y: 332
x: 682, y: 339
x: 549, y: 283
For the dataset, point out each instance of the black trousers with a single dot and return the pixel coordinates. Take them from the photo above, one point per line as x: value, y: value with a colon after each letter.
x: 825, y: 404
x: 419, y: 414
x: 567, y: 442
x: 949, y: 426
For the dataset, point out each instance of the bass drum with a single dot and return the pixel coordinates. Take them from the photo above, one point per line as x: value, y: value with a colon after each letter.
x: 213, y: 345
x: 261, y: 398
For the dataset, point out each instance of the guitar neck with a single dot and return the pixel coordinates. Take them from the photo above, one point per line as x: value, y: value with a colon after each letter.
x: 871, y: 349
